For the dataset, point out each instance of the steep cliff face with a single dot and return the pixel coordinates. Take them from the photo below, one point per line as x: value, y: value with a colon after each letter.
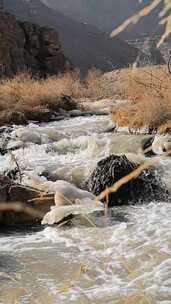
x: 26, y: 46
x: 11, y: 45
x: 42, y: 50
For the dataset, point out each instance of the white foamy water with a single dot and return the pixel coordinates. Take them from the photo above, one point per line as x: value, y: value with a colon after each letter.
x: 126, y: 256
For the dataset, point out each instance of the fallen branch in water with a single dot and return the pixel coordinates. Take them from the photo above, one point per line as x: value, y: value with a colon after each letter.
x: 19, y: 207
x: 40, y: 199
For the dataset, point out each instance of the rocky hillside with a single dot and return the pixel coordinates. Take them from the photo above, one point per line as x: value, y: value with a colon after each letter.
x: 84, y: 45
x: 108, y: 14
x: 26, y: 46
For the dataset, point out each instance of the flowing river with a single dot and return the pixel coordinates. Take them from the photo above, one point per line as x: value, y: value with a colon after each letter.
x: 126, y: 258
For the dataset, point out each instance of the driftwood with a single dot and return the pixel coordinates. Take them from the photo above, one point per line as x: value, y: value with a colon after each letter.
x: 22, y: 205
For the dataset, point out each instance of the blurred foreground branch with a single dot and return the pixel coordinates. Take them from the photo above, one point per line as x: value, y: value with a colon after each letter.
x: 164, y: 18
x: 19, y: 207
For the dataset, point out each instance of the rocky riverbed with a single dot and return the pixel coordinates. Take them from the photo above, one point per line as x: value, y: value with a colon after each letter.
x: 126, y: 255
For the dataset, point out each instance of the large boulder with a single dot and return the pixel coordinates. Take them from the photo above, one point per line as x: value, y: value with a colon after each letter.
x: 146, y: 187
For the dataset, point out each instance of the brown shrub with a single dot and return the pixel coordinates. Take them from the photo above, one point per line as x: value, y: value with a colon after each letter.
x: 94, y: 84
x: 149, y: 89
x: 25, y: 92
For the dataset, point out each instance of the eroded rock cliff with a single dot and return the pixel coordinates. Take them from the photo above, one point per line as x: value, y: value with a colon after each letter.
x: 26, y: 46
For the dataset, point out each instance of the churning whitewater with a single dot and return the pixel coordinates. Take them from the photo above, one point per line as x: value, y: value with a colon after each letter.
x: 128, y: 252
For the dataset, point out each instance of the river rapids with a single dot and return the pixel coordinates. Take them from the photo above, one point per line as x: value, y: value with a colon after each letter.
x: 126, y: 258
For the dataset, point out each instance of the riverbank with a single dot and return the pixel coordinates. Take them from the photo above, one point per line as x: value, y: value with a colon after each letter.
x: 138, y: 98
x: 24, y: 98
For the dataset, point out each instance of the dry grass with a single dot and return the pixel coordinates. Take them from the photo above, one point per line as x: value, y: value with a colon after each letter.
x: 23, y: 94
x: 165, y: 128
x: 25, y: 91
x: 149, y: 90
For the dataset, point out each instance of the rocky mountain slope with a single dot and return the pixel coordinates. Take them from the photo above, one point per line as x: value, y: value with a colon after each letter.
x: 84, y: 45
x: 26, y: 46
x: 108, y: 14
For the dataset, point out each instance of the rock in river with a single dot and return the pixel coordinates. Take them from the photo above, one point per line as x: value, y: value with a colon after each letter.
x: 146, y: 187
